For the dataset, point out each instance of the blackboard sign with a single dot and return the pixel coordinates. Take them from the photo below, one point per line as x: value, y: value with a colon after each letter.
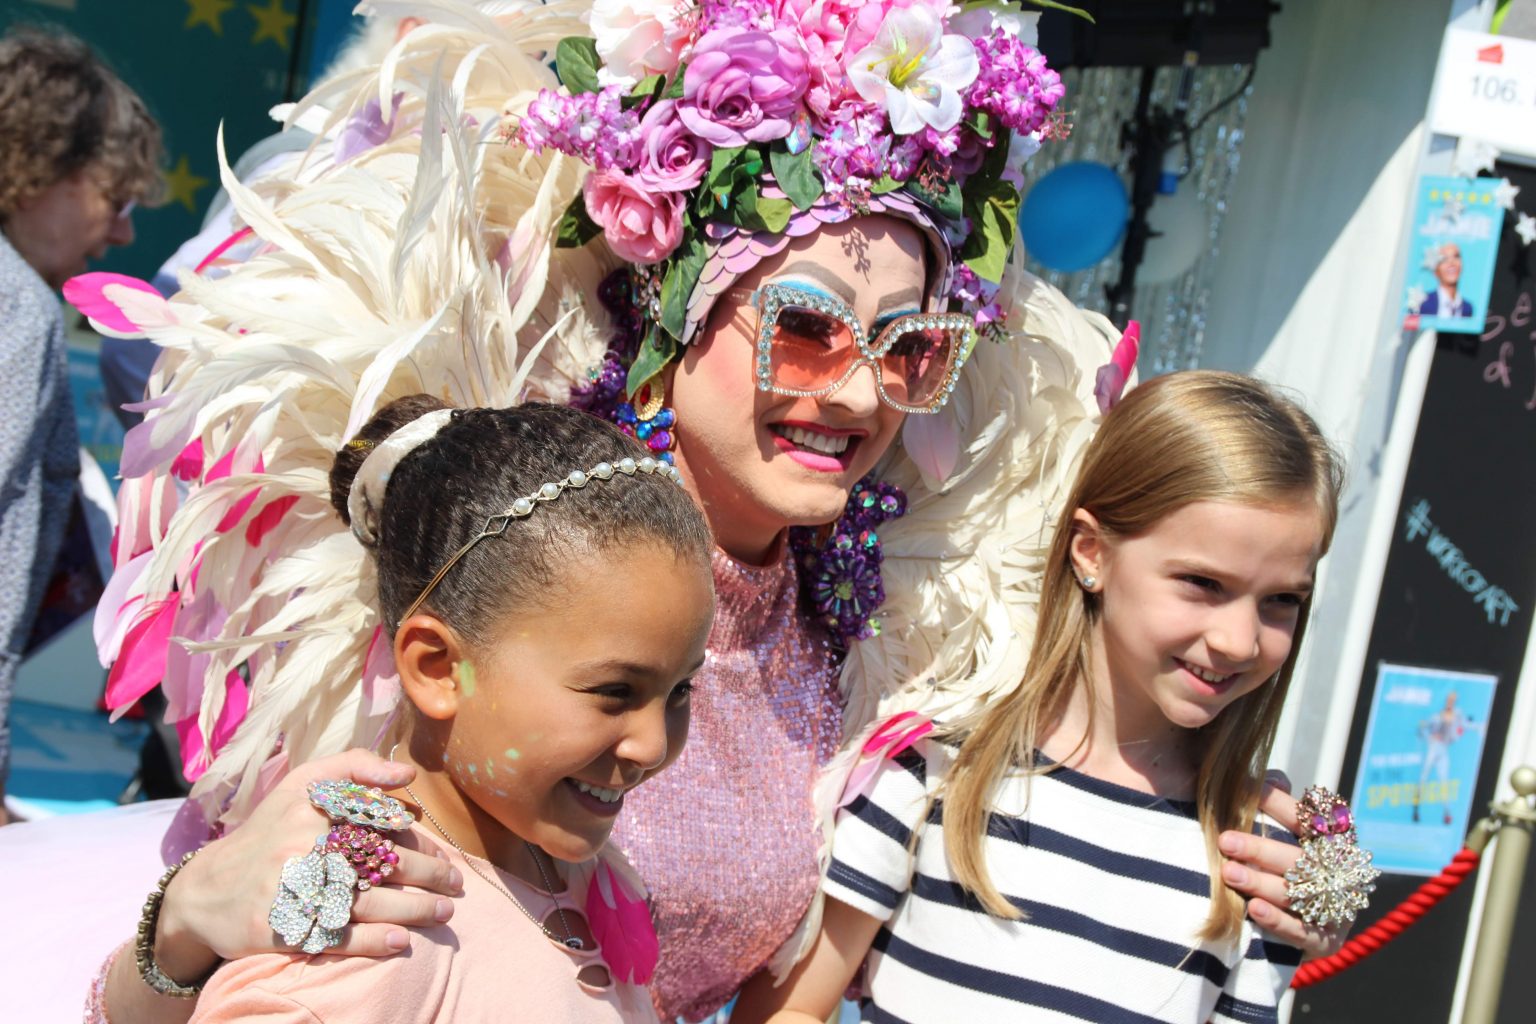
x: 1458, y: 594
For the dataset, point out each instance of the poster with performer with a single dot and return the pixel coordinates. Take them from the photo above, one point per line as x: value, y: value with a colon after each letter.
x: 1423, y: 745
x: 1452, y: 245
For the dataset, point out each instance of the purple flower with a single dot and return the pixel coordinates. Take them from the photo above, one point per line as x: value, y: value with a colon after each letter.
x: 743, y: 87
x: 593, y: 126
x: 1014, y: 84
x: 672, y: 159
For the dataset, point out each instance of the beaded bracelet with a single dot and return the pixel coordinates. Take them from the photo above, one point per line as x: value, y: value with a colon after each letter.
x: 144, y: 945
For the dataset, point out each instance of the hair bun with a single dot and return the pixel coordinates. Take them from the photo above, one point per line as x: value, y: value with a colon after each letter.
x: 351, y: 456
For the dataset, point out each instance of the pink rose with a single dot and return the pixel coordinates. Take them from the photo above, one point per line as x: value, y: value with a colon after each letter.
x: 744, y: 87
x: 672, y: 159
x: 641, y: 226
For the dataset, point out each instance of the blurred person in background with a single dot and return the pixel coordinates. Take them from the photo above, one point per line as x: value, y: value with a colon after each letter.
x: 78, y: 149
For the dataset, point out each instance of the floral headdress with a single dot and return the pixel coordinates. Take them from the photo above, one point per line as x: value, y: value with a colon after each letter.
x: 742, y: 116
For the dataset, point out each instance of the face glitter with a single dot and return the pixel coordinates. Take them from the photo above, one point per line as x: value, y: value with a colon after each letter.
x: 511, y: 754
x: 466, y: 678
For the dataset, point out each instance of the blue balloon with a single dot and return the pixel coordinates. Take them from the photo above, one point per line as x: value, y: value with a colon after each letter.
x: 1074, y: 216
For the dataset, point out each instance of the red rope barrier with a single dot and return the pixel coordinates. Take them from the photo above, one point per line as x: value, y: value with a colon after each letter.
x: 1391, y: 926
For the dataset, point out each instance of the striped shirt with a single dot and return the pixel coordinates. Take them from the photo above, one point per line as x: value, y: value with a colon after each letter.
x: 1115, y: 885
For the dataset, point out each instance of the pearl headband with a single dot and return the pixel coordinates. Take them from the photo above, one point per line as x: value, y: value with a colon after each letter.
x: 366, y: 497
x: 523, y: 507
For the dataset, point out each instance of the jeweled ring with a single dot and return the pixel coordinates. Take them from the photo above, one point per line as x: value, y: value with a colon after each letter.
x: 371, y: 855
x: 344, y: 800
x: 1332, y: 880
x: 314, y: 900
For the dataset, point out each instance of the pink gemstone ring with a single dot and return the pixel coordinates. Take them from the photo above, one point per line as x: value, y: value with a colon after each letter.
x: 1322, y: 812
x: 1333, y: 878
x: 370, y: 855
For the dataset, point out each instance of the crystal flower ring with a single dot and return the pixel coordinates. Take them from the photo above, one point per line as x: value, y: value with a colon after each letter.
x: 314, y: 900
x: 1332, y: 880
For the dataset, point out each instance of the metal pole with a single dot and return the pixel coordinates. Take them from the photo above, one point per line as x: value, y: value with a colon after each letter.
x: 1516, y: 818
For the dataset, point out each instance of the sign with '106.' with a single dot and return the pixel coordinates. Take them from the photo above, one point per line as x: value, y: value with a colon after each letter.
x: 1486, y: 90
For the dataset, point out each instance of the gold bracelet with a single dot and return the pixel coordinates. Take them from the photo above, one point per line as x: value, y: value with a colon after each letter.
x: 144, y: 946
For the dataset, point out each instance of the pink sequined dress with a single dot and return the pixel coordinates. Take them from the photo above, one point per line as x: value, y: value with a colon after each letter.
x: 726, y: 838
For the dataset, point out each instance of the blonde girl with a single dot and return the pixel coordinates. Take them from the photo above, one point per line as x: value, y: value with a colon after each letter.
x: 1058, y: 861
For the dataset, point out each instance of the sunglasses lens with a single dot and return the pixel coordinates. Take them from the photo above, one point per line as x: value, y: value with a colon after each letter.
x: 810, y: 349
x: 917, y: 364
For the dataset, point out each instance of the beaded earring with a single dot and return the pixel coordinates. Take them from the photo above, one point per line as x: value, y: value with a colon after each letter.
x: 647, y: 417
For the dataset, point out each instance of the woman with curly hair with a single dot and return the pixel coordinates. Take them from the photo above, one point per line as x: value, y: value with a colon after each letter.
x: 77, y: 150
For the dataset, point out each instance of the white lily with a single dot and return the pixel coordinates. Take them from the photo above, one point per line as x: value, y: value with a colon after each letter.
x: 915, y: 71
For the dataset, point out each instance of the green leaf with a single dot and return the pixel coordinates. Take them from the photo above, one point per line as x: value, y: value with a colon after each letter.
x: 648, y: 88
x: 577, y: 227
x: 981, y: 124
x: 773, y: 214
x: 885, y: 184
x: 677, y: 286
x: 720, y: 166
x: 656, y: 351
x: 675, y: 90
x: 576, y: 62
x: 994, y: 221
x: 796, y: 175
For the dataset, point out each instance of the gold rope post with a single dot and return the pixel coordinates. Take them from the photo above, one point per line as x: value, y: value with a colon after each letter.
x: 1515, y: 819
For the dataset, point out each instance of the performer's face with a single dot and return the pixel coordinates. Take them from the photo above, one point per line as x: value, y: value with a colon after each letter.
x: 760, y: 461
x: 581, y: 694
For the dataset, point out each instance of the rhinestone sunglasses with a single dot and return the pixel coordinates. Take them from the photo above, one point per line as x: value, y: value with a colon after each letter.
x: 809, y: 344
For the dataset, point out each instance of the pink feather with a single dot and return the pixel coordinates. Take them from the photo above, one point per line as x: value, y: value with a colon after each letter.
x: 196, y: 756
x: 933, y: 444
x: 893, y: 736
x: 381, y: 681
x: 267, y: 519
x: 622, y: 926
x: 117, y: 303
x: 1109, y: 382
x: 141, y: 664
x: 114, y: 611
x: 189, y: 464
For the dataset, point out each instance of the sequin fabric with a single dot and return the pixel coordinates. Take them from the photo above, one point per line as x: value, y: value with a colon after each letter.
x: 726, y: 838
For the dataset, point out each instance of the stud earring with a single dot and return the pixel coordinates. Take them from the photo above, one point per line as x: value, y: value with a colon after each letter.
x: 1088, y: 583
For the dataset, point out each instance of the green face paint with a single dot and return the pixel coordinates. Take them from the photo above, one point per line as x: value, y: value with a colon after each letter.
x: 466, y: 677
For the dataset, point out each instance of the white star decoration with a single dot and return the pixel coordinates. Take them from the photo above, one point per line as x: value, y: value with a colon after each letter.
x: 1453, y: 208
x: 1526, y: 228
x: 1504, y: 193
x: 1416, y: 297
x: 1473, y: 156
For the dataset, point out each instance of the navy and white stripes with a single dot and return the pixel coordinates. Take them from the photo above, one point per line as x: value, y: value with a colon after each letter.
x: 1115, y: 886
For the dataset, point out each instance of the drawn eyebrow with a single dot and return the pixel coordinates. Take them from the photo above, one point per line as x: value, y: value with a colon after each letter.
x: 821, y: 275
x: 840, y: 289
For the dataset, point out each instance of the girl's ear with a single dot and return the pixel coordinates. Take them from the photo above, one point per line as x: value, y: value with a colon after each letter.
x: 427, y: 656
x: 1088, y: 549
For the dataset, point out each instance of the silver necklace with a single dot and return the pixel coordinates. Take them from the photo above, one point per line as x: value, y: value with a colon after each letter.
x: 570, y: 940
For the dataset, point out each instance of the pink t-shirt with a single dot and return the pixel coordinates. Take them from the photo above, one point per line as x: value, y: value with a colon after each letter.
x: 489, y: 963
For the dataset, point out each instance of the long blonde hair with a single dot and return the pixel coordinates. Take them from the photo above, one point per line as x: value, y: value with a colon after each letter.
x: 1179, y: 439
